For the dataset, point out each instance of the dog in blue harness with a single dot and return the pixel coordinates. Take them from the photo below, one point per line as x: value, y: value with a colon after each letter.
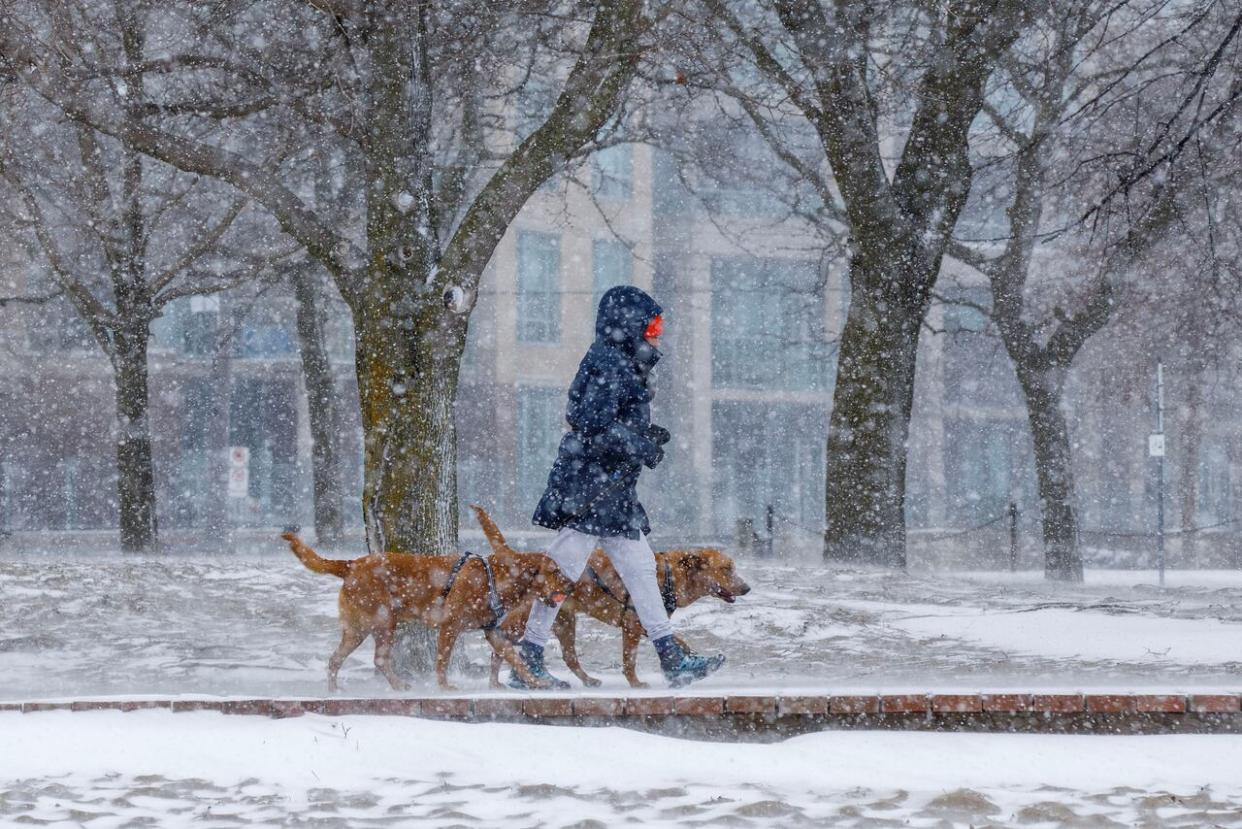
x: 454, y: 594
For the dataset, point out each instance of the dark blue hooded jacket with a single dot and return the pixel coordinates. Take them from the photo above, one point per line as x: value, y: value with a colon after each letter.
x: 592, y: 485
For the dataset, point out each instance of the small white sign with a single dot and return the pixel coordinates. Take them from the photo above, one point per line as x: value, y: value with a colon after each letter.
x: 1155, y: 446
x: 239, y: 456
x: 239, y: 482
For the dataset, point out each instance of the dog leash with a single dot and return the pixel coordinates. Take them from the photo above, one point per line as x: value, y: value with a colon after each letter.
x: 625, y: 603
x: 668, y: 593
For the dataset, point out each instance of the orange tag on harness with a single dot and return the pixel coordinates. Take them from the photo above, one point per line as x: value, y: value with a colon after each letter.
x: 558, y: 597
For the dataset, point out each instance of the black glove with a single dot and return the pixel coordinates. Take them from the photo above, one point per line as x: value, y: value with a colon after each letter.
x: 658, y: 434
x: 653, y: 460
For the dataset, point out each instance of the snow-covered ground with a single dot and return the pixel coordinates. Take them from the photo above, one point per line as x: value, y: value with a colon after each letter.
x: 109, y: 769
x: 264, y: 625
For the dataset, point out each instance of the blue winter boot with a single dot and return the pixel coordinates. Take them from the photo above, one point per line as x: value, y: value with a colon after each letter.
x: 532, y: 657
x: 681, y: 668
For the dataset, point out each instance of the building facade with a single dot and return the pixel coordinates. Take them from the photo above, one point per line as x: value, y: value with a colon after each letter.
x: 755, y: 303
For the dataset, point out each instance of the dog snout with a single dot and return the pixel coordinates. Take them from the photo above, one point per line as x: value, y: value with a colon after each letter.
x: 740, y: 588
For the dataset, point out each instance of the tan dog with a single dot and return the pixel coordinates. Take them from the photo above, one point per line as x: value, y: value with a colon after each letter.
x: 685, y: 576
x: 382, y: 590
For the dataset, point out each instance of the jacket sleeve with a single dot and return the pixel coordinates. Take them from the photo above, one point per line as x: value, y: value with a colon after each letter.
x: 592, y: 412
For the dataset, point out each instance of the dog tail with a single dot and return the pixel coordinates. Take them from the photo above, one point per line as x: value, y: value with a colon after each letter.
x: 328, y: 566
x: 494, y: 536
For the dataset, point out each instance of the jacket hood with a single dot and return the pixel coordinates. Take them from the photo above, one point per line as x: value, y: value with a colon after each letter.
x: 623, y: 315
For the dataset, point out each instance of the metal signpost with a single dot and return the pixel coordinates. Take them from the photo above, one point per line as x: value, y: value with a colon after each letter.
x: 1155, y: 448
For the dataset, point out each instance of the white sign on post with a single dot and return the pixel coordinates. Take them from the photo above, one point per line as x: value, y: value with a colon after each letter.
x: 239, y: 471
x: 1155, y: 446
x: 239, y: 482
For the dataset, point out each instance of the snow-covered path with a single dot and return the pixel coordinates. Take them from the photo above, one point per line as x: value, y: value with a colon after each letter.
x: 108, y: 769
x: 265, y: 626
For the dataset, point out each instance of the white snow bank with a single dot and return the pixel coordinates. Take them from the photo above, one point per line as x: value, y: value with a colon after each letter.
x: 360, y: 767
x: 357, y: 751
x: 1059, y: 633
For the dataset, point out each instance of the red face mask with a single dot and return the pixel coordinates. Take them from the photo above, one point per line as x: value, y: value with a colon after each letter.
x: 655, y: 328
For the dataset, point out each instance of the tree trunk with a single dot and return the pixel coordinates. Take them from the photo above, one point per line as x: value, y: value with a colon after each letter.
x: 1054, y: 472
x: 865, y: 476
x: 321, y: 404
x: 407, y: 384
x: 135, y: 469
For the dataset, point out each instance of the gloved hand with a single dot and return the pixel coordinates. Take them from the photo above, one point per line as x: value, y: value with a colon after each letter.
x: 653, y: 460
x: 658, y: 434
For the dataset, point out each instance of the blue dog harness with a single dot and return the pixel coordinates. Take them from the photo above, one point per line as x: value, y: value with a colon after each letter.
x: 494, y: 604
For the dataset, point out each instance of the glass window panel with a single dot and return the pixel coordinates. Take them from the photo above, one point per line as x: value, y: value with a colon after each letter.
x: 612, y: 264
x: 539, y: 289
x: 613, y: 172
x: 541, y: 419
x: 768, y: 325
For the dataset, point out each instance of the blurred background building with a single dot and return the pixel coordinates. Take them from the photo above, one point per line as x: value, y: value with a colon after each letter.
x: 754, y: 307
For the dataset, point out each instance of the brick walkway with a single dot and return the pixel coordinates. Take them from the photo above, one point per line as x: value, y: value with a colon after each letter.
x: 757, y: 717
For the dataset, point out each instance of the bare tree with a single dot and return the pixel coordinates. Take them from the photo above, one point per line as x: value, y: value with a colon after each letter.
x: 122, y: 236
x: 407, y: 93
x: 1054, y: 169
x: 869, y: 76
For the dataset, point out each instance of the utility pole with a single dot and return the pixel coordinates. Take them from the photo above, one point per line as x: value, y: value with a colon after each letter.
x: 1155, y: 448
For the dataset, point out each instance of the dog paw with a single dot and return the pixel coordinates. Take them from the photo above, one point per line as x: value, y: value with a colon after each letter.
x: 638, y: 683
x: 448, y: 687
x: 591, y: 682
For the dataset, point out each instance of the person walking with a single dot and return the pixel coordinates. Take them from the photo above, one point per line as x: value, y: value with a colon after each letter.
x: 591, y: 496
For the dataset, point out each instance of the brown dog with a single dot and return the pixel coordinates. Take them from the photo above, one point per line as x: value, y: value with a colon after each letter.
x: 685, y: 576
x: 382, y: 590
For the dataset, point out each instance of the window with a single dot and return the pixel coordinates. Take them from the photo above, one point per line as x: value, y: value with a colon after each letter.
x: 984, y: 469
x: 56, y: 326
x: 967, y: 319
x: 612, y: 173
x: 768, y: 454
x: 539, y: 288
x: 768, y: 325
x: 264, y: 334
x: 612, y: 264
x: 745, y: 179
x: 535, y: 103
x: 541, y: 423
x: 1215, y: 487
x: 977, y: 369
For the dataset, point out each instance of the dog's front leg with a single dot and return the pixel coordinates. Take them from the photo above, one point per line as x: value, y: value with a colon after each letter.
x: 566, y: 630
x: 631, y: 635
x: 351, y: 638
x: 493, y: 680
x: 383, y: 657
x: 444, y: 651
x: 504, y: 647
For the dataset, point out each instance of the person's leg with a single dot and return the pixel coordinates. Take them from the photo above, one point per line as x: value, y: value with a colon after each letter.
x: 635, y: 563
x: 570, y: 550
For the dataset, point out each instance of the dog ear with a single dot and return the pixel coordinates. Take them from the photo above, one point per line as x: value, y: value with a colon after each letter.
x: 693, y: 562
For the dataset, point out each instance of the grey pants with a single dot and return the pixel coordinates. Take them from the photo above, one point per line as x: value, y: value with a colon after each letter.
x: 634, y: 562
